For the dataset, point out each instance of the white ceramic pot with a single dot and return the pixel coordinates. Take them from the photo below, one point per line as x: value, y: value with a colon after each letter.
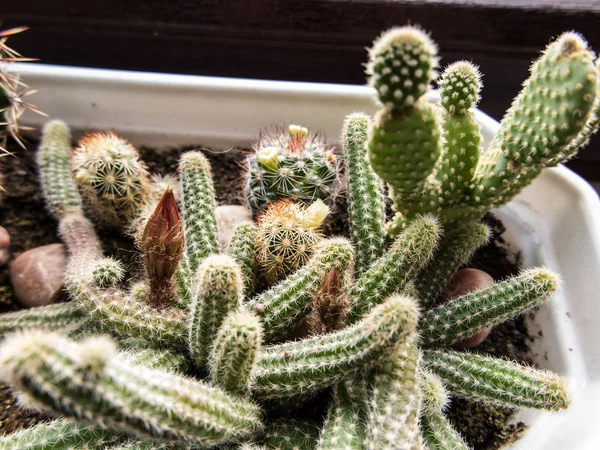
x: 555, y: 222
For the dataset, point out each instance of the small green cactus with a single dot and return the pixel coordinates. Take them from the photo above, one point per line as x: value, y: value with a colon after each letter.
x: 111, y: 177
x: 439, y: 434
x: 291, y: 435
x: 241, y: 249
x: 60, y: 316
x: 286, y: 237
x: 291, y: 165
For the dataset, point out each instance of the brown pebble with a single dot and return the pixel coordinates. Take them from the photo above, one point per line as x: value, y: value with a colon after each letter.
x: 4, y: 246
x: 37, y: 275
x: 463, y: 282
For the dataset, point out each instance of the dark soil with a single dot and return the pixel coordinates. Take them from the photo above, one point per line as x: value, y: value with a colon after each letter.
x: 23, y: 214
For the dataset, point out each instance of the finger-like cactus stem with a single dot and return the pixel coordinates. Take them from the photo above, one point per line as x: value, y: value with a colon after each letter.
x: 290, y: 435
x: 62, y: 434
x: 394, y: 403
x: 57, y: 317
x: 455, y: 250
x: 410, y: 252
x: 241, y: 248
x: 58, y: 186
x: 218, y: 292
x: 77, y: 232
x: 303, y: 367
x: 439, y: 434
x: 366, y: 208
x: 465, y: 316
x: 284, y: 305
x: 89, y: 381
x: 497, y: 381
x: 344, y: 426
x: 434, y: 395
x: 235, y: 351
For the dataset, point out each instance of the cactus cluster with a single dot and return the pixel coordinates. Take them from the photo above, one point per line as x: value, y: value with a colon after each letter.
x: 431, y: 155
x: 191, y: 356
x: 295, y: 165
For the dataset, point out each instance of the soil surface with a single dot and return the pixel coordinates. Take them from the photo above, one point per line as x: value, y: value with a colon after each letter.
x: 23, y: 214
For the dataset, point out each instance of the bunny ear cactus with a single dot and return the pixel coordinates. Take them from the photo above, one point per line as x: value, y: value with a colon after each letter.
x: 431, y: 157
x: 295, y: 165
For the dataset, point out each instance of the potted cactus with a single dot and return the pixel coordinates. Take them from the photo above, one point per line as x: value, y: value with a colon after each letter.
x: 222, y: 345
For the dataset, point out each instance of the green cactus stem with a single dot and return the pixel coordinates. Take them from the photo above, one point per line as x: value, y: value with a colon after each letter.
x: 497, y: 381
x: 61, y: 434
x: 394, y: 403
x: 465, y: 316
x: 78, y: 233
x: 439, y: 434
x: 57, y: 317
x: 560, y: 95
x: 459, y: 90
x: 303, y: 367
x: 366, y: 208
x: 455, y: 250
x: 434, y: 395
x: 218, y: 292
x: 235, y: 351
x: 293, y: 165
x: 290, y: 435
x: 241, y: 248
x: 89, y: 381
x: 285, y: 304
x: 344, y: 426
x: 153, y: 358
x: 58, y: 186
x: 410, y: 252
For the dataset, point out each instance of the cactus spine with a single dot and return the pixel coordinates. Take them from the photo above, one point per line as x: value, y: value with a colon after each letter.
x: 366, y: 208
x: 218, y: 292
x: 439, y: 434
x: 290, y: 435
x: 89, y: 381
x: 285, y: 304
x: 241, y: 248
x: 55, y: 317
x: 497, y: 381
x: 235, y: 351
x: 302, y: 367
x: 465, y: 316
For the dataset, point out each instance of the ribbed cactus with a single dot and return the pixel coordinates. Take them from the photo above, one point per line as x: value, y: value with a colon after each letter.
x: 59, y: 188
x: 60, y: 316
x: 292, y: 165
x: 344, y: 426
x: 62, y: 434
x: 439, y: 434
x: 366, y: 208
x: 235, y: 351
x: 410, y: 253
x: 111, y: 177
x: 395, y: 402
x: 241, y: 248
x: 303, y: 367
x: 434, y: 396
x: 218, y: 292
x: 465, y: 316
x: 87, y: 380
x: 286, y: 236
x: 497, y: 381
x: 432, y: 158
x: 290, y: 435
x: 285, y: 304
x: 455, y: 249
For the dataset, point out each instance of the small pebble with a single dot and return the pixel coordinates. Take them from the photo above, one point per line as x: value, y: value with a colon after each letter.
x: 229, y: 217
x: 4, y: 246
x: 463, y: 282
x: 37, y: 275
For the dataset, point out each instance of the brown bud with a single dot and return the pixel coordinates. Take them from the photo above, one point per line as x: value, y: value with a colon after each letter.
x: 463, y: 282
x: 162, y: 243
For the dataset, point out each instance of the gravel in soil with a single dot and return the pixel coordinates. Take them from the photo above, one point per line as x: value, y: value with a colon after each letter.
x: 23, y: 214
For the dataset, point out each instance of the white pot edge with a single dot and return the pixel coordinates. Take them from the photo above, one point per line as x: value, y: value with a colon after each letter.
x: 556, y: 220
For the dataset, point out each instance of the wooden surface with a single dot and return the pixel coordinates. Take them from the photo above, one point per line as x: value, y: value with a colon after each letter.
x: 310, y: 40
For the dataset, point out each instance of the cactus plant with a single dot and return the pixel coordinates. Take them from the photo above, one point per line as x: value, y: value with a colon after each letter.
x: 433, y: 162
x: 111, y: 177
x: 292, y: 165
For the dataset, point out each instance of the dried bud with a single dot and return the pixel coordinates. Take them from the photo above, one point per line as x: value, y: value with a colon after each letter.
x: 161, y: 244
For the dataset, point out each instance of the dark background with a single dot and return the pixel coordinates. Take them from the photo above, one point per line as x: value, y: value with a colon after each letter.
x: 311, y: 40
